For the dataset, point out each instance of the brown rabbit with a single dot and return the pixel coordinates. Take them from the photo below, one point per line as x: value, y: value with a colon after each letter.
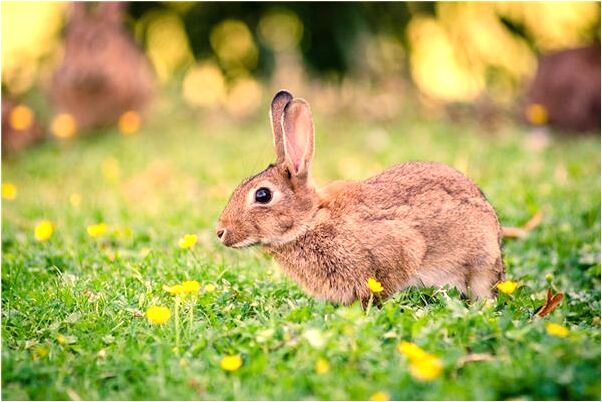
x: 419, y: 223
x: 102, y: 74
x: 15, y: 139
x: 567, y: 85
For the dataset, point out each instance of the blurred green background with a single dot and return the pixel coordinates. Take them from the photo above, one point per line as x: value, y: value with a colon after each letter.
x: 374, y: 58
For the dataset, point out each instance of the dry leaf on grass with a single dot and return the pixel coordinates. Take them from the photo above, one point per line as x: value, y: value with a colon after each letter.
x: 514, y: 232
x: 552, y: 301
x: 475, y: 357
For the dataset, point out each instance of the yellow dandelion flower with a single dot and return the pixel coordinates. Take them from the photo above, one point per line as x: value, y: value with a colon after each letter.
x: 43, y: 230
x: 507, y: 287
x: 322, y: 366
x: 231, y: 363
x: 210, y: 288
x: 75, y: 199
x: 187, y: 241
x: 97, y: 229
x: 129, y: 122
x: 374, y: 285
x: 63, y: 125
x: 174, y: 290
x: 557, y: 330
x: 39, y: 352
x: 191, y: 286
x: 411, y: 350
x: 21, y: 118
x: 61, y: 339
x: 158, y: 314
x: 380, y: 396
x: 9, y: 191
x: 426, y: 369
x: 537, y: 114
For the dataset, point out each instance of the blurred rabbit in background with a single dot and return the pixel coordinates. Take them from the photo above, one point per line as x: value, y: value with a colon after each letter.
x: 565, y: 92
x: 102, y: 74
x: 19, y: 126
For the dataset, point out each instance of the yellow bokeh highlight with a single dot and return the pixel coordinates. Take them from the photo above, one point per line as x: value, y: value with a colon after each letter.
x: 436, y: 68
x: 30, y: 31
x: 204, y: 86
x: 553, y: 25
x: 233, y: 44
x: 9, y: 191
x: 129, y: 122
x: 63, y: 126
x: 167, y: 43
x: 244, y: 97
x: 537, y: 114
x: 20, y: 118
x: 281, y: 30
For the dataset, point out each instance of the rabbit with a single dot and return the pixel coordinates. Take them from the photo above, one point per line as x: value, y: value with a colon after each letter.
x: 14, y: 139
x: 102, y: 74
x: 415, y: 224
x: 567, y: 85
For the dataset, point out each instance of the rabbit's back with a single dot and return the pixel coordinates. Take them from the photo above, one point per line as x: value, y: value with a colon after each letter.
x: 430, y: 219
x: 460, y: 229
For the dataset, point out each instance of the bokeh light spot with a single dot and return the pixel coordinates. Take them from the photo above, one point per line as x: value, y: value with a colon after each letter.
x: 129, y: 122
x: 233, y: 44
x: 204, y: 85
x: 281, y: 30
x: 63, y: 126
x: 21, y: 118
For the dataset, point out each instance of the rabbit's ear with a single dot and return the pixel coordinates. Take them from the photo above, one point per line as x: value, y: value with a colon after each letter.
x: 112, y: 11
x: 77, y: 11
x: 278, y: 103
x: 298, y: 128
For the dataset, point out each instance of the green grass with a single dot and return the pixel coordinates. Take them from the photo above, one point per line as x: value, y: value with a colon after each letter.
x: 176, y: 176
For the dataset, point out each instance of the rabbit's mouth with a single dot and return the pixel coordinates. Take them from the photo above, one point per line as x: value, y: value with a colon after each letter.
x: 244, y: 243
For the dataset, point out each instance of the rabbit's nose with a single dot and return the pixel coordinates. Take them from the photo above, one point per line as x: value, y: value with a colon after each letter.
x: 220, y: 233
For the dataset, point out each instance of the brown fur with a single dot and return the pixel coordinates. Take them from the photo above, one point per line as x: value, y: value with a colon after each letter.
x: 567, y: 84
x: 419, y: 223
x: 14, y: 140
x: 103, y: 74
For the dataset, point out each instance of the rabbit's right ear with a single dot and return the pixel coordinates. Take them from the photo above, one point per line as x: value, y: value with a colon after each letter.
x: 298, y: 128
x: 280, y: 100
x: 77, y: 11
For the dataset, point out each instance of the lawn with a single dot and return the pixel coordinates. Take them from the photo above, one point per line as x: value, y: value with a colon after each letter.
x: 73, y: 323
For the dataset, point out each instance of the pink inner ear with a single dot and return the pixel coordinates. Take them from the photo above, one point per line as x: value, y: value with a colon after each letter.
x: 297, y: 130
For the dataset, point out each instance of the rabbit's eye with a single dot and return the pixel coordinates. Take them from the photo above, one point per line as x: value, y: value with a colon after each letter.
x: 263, y: 195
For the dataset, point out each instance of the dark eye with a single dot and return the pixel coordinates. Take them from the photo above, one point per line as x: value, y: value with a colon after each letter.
x: 263, y: 195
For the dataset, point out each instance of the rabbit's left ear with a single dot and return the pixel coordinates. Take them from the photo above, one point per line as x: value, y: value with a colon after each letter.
x: 276, y: 110
x: 112, y: 11
x: 298, y: 129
